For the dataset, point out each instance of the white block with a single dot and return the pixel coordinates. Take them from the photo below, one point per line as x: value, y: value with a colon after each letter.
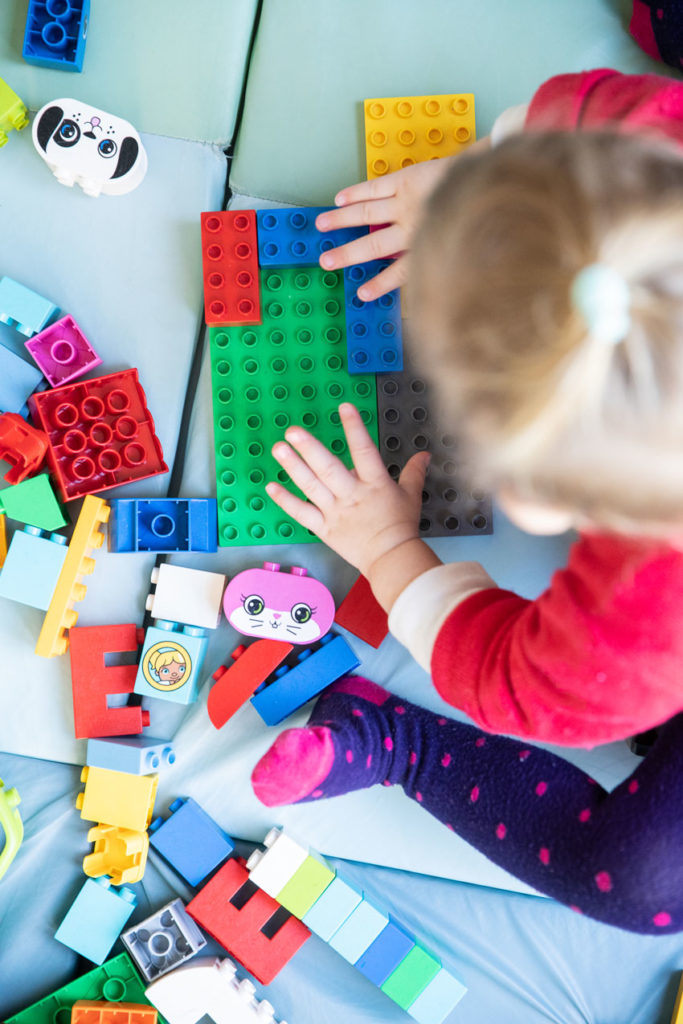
x: 190, y: 596
x: 273, y: 869
x: 209, y: 989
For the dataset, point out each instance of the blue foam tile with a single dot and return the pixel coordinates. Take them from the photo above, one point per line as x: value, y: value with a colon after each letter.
x: 288, y: 237
x: 374, y: 335
x: 55, y: 33
x: 32, y: 567
x: 332, y: 908
x: 360, y: 929
x: 190, y: 841
x: 96, y: 918
x: 384, y: 955
x: 438, y: 999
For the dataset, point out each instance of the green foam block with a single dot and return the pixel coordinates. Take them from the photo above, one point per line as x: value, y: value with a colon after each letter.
x: 411, y: 977
x: 33, y: 502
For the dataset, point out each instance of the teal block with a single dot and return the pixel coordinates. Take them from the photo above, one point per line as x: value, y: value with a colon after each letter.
x: 443, y: 993
x: 96, y: 918
x: 23, y: 308
x: 330, y: 910
x: 32, y: 567
x: 183, y: 649
x: 359, y: 931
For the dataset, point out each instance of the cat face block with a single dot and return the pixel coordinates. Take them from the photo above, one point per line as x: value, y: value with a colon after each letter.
x: 288, y: 606
x: 86, y: 146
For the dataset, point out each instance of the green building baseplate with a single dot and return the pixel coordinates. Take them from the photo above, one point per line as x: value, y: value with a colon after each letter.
x: 290, y: 369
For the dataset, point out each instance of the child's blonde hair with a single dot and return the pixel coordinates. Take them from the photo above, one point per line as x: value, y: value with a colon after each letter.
x: 546, y: 410
x: 160, y: 659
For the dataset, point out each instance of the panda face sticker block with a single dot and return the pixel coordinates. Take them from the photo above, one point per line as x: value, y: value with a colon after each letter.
x: 86, y: 146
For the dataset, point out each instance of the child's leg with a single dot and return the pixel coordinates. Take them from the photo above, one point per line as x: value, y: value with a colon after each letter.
x: 614, y: 856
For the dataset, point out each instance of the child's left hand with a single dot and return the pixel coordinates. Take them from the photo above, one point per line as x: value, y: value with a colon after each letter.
x: 362, y: 514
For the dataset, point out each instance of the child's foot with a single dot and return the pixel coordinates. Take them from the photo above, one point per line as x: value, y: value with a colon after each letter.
x: 324, y: 758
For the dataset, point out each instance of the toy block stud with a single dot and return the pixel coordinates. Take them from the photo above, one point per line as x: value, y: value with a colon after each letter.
x: 332, y: 908
x: 438, y: 999
x: 247, y: 922
x: 117, y: 798
x: 273, y: 868
x: 93, y: 681
x: 235, y: 683
x: 23, y: 308
x: 62, y: 352
x: 95, y: 919
x: 11, y: 823
x: 61, y: 616
x: 191, y: 596
x: 411, y: 977
x: 13, y: 112
x: 171, y: 662
x: 120, y: 853
x: 305, y: 886
x: 358, y: 931
x: 279, y: 605
x: 86, y: 1011
x: 404, y: 130
x: 22, y: 446
x: 163, y: 524
x: 314, y: 670
x: 288, y: 237
x: 164, y: 940
x: 361, y: 614
x: 384, y: 954
x: 373, y: 329
x: 100, y: 433
x: 190, y: 841
x: 55, y: 36
x: 33, y: 501
x: 137, y: 755
x: 230, y: 263
x: 32, y: 567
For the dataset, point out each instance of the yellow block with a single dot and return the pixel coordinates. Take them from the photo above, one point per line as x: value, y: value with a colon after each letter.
x: 678, y: 1006
x: 117, y: 798
x: 3, y: 538
x: 60, y: 615
x: 405, y: 130
x: 120, y: 853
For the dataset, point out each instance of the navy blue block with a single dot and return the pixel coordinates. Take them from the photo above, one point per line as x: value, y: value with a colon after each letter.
x: 163, y: 524
x: 55, y: 33
x: 288, y: 237
x: 374, y: 335
x: 384, y: 955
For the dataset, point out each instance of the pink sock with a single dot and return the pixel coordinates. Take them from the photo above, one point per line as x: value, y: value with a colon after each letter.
x: 295, y: 765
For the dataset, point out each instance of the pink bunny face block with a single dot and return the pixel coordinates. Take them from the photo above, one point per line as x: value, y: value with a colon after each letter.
x: 289, y: 606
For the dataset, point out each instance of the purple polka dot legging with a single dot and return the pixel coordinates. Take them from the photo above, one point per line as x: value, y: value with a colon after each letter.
x: 613, y: 856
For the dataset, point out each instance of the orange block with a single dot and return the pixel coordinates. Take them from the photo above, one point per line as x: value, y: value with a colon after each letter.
x: 86, y: 1012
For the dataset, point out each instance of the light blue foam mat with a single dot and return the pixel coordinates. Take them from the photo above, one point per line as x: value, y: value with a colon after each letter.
x: 524, y: 960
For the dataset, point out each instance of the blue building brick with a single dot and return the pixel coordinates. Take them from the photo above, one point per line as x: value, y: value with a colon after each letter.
x: 136, y: 755
x: 163, y: 524
x: 55, y: 33
x: 384, y: 955
x: 32, y: 566
x: 23, y: 308
x: 374, y: 336
x: 288, y: 237
x: 190, y: 841
x: 171, y: 661
x: 95, y: 919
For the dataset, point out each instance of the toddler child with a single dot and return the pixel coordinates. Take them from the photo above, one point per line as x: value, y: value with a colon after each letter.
x: 547, y: 307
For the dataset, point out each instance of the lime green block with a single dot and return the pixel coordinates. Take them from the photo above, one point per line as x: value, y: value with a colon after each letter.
x: 33, y: 502
x: 305, y: 886
x: 411, y: 977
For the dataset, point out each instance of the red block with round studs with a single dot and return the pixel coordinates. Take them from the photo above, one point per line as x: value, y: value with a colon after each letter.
x: 230, y: 266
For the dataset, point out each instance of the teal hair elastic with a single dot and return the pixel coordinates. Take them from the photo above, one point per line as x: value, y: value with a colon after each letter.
x: 601, y: 295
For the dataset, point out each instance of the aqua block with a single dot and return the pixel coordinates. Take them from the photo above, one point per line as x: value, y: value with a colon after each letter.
x: 55, y: 33
x: 288, y: 237
x: 384, y: 955
x: 136, y: 755
x: 18, y: 380
x: 23, y: 308
x: 96, y: 918
x: 171, y: 662
x: 330, y: 910
x: 33, y: 502
x: 374, y: 335
x: 163, y: 524
x: 440, y: 997
x: 289, y: 369
x: 190, y: 841
x: 32, y: 567
x: 359, y: 931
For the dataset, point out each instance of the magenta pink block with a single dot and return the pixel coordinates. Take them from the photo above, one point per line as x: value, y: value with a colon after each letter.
x: 63, y: 352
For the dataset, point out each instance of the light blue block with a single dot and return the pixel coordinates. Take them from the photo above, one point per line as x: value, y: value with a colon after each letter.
x: 177, y: 681
x: 32, y: 567
x: 24, y: 309
x: 190, y: 840
x: 18, y: 380
x: 443, y: 993
x: 96, y: 918
x: 359, y: 931
x: 332, y: 908
x: 383, y: 956
x: 137, y: 755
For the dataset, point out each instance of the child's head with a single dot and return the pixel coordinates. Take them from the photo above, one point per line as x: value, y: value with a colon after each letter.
x: 168, y: 665
x: 548, y: 412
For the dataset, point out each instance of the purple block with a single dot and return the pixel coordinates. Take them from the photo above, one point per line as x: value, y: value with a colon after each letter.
x: 63, y: 352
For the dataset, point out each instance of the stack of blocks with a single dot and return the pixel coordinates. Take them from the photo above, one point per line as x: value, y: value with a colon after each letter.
x: 380, y: 949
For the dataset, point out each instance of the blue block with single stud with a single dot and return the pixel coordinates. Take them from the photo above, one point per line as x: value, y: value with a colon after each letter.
x: 384, y: 954
x: 374, y: 336
x: 358, y: 931
x: 163, y: 524
x: 288, y: 237
x: 136, y: 755
x: 23, y: 308
x: 18, y: 380
x: 294, y: 687
x: 32, y: 566
x: 190, y: 840
x: 332, y: 908
x: 96, y: 918
x: 55, y: 33
x: 438, y: 999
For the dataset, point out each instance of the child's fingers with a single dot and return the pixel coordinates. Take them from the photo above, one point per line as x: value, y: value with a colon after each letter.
x: 375, y: 188
x: 413, y: 474
x: 392, y: 277
x: 376, y: 245
x: 302, y: 474
x: 325, y: 467
x: 378, y: 211
x: 366, y: 458
x: 306, y: 514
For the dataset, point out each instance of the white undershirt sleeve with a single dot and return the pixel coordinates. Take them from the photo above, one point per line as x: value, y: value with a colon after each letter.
x: 510, y: 122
